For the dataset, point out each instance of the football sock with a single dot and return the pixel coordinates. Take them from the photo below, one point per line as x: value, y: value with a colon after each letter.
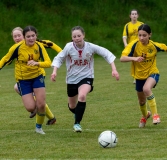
x: 48, y: 112
x: 71, y: 109
x: 39, y: 119
x: 152, y: 104
x: 143, y: 109
x: 34, y: 97
x: 79, y: 111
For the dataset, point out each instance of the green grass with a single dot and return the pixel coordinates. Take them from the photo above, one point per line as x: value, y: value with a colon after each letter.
x: 112, y: 106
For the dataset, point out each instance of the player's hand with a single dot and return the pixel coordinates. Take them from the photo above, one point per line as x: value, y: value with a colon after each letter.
x: 139, y: 59
x: 32, y: 63
x: 115, y: 74
x: 53, y: 77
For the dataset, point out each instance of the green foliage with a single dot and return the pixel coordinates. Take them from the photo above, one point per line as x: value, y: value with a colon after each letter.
x: 112, y: 106
x: 103, y: 21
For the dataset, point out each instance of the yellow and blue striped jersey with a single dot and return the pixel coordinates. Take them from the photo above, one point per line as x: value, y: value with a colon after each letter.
x: 141, y: 70
x: 131, y: 31
x: 23, y: 53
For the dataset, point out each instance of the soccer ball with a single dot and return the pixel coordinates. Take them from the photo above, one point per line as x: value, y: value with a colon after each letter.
x: 107, y: 139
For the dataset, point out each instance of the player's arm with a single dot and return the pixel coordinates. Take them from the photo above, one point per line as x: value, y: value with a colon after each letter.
x: 129, y: 59
x: 46, y: 63
x: 50, y: 44
x: 58, y: 61
x: 160, y: 46
x: 9, y: 57
x: 114, y: 71
x: 125, y: 41
x: 124, y: 37
x: 56, y: 48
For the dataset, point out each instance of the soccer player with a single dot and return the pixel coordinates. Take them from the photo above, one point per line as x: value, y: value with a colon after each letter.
x: 130, y: 31
x: 78, y: 55
x: 17, y: 34
x: 142, y: 53
x: 30, y: 59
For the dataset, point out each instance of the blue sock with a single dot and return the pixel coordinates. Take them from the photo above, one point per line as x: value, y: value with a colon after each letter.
x: 38, y: 125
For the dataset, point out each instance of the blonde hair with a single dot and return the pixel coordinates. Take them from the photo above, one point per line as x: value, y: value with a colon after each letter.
x: 17, y: 28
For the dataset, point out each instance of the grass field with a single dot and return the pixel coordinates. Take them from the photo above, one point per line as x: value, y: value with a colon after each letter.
x: 112, y: 106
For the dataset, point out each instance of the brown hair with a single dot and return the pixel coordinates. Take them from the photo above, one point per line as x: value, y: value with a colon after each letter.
x: 29, y: 28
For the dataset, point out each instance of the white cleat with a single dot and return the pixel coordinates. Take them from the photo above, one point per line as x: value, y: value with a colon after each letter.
x: 39, y: 130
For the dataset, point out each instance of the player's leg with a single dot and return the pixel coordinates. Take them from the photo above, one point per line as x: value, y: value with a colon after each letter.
x: 25, y: 90
x: 40, y: 95
x: 33, y: 113
x: 143, y: 108
x: 147, y: 89
x: 142, y: 103
x: 40, y: 105
x: 72, y: 102
x: 84, y: 87
x: 28, y: 102
x: 72, y: 92
x: 49, y: 115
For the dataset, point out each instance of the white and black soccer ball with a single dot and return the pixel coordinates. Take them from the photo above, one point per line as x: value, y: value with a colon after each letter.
x: 107, y: 139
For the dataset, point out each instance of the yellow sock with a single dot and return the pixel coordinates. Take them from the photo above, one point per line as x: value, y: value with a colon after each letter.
x: 152, y: 104
x: 40, y: 117
x: 143, y: 109
x: 34, y: 98
x: 49, y: 114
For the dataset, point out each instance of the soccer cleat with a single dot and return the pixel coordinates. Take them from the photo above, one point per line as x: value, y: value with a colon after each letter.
x: 32, y: 114
x: 143, y: 120
x: 51, y: 121
x: 77, y: 128
x: 39, y: 130
x: 156, y: 119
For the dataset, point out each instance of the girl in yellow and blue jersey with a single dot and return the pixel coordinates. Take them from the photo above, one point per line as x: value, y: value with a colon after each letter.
x: 130, y: 31
x: 30, y: 59
x: 17, y: 34
x: 142, y: 53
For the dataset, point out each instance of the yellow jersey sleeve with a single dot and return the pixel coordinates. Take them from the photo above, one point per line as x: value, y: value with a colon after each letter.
x: 44, y: 60
x: 10, y: 56
x: 50, y: 44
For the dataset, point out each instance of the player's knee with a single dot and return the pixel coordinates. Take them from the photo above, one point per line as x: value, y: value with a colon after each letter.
x: 82, y: 98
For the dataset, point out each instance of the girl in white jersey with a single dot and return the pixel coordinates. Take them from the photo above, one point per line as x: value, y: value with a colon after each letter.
x: 78, y: 55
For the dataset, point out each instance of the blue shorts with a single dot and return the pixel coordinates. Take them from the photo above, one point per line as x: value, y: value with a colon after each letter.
x: 140, y: 83
x: 72, y: 89
x: 27, y: 86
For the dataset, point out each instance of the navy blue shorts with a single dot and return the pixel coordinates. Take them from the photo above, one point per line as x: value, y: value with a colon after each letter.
x: 140, y: 83
x: 72, y: 89
x: 27, y: 86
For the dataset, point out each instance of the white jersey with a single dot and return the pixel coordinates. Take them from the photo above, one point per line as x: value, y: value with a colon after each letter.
x: 80, y: 63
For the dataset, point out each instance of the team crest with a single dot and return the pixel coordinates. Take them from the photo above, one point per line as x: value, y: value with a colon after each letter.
x: 36, y: 51
x: 150, y: 50
x: 41, y: 80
